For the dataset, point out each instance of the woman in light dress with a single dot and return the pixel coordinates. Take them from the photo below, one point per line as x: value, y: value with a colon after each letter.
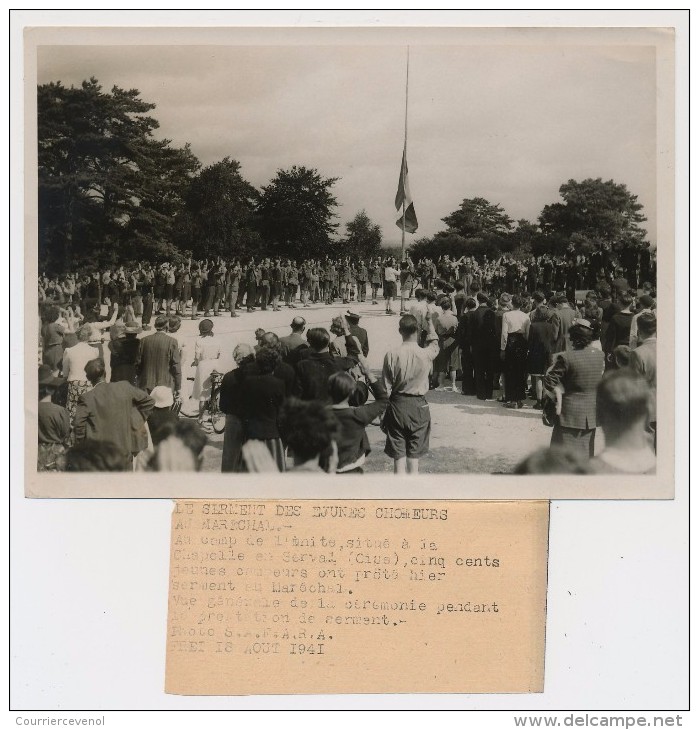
x: 207, y: 354
x: 449, y: 359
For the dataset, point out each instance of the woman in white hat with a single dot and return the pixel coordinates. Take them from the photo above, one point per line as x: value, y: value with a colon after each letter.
x: 207, y: 351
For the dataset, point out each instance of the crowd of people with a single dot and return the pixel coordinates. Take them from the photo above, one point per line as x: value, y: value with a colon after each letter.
x: 572, y: 337
x: 213, y: 286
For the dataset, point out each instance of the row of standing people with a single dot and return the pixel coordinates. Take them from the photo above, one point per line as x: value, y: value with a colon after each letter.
x: 214, y: 285
x: 561, y: 350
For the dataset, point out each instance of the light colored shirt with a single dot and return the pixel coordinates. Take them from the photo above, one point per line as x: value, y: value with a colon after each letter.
x: 338, y: 346
x: 513, y: 322
x: 98, y: 327
x: 433, y: 311
x: 446, y: 322
x: 184, y: 345
x: 206, y: 348
x: 419, y: 311
x: 406, y: 369
x: 390, y: 274
x: 75, y: 358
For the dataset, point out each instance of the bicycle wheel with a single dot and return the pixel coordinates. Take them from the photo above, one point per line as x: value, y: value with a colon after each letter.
x: 218, y: 418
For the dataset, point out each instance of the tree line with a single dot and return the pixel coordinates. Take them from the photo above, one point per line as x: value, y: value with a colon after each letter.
x: 111, y: 192
x: 595, y: 214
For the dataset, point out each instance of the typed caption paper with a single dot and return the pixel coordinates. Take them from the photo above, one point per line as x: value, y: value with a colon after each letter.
x: 356, y: 597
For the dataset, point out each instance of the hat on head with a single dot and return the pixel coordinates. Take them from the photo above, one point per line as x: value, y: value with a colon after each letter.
x: 46, y: 376
x: 352, y: 315
x: 162, y: 395
x: 132, y: 329
x: 161, y: 322
x: 582, y: 323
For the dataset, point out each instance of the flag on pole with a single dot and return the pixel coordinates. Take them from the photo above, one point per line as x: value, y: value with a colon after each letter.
x: 403, y: 197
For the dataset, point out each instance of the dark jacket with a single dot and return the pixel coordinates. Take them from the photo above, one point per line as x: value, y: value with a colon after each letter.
x: 113, y: 412
x: 158, y: 362
x: 464, y: 330
x: 312, y: 372
x: 361, y: 334
x: 353, y: 441
x: 562, y: 319
x: 287, y: 375
x: 618, y: 332
x: 261, y: 399
x: 291, y: 342
x: 484, y: 330
x: 579, y: 372
x: 540, y: 346
x: 123, y: 359
x: 231, y: 393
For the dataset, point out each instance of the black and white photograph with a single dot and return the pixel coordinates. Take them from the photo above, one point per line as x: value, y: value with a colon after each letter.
x: 348, y: 364
x: 371, y: 254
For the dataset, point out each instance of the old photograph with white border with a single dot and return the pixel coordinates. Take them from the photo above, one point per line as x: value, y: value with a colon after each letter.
x: 231, y: 271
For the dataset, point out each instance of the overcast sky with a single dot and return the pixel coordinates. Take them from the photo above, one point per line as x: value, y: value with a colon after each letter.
x: 507, y: 123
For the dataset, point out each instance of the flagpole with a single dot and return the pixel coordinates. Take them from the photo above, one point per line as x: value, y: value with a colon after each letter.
x: 405, y: 153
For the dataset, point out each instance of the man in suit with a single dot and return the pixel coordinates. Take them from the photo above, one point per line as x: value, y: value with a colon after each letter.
x: 158, y: 360
x: 359, y: 332
x: 291, y: 343
x: 574, y: 376
x: 643, y: 361
x: 313, y: 371
x: 114, y: 412
x: 484, y: 337
x: 619, y: 330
